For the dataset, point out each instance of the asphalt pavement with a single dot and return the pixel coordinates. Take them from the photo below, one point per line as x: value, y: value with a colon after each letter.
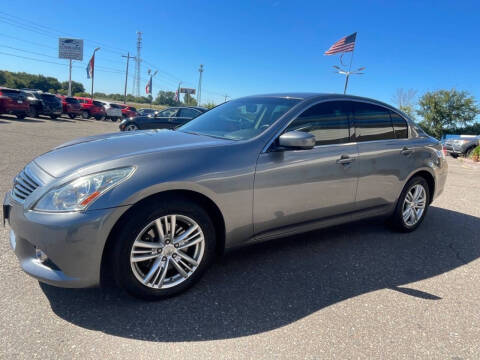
x: 355, y: 291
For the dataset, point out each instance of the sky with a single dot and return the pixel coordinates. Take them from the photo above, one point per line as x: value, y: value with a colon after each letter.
x: 251, y: 47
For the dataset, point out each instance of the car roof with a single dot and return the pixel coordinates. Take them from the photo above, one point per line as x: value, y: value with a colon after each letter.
x: 323, y: 96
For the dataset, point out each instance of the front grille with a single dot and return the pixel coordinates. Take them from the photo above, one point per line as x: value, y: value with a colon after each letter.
x: 24, y: 185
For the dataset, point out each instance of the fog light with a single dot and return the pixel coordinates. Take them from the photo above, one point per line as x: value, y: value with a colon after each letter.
x: 40, y: 255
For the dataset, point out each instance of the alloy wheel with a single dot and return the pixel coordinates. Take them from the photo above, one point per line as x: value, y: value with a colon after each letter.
x: 167, y: 251
x: 414, y: 205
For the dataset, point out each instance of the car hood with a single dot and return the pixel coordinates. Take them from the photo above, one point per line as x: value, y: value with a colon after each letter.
x: 93, y: 150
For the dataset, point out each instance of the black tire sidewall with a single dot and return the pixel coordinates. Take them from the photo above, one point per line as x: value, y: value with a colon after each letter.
x: 397, y: 219
x: 122, y: 271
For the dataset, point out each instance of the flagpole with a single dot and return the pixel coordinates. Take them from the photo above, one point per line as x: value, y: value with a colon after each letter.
x: 93, y: 69
x: 348, y: 73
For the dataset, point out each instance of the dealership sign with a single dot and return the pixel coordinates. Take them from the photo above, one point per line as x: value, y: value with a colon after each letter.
x: 70, y: 49
x: 187, y: 91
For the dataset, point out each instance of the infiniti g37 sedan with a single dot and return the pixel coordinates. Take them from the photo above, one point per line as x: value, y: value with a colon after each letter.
x: 154, y: 208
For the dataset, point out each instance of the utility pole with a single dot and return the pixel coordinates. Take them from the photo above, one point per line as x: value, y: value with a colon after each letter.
x: 93, y: 69
x: 199, y: 90
x: 138, y: 64
x: 126, y: 76
x: 178, y: 91
x: 70, y: 79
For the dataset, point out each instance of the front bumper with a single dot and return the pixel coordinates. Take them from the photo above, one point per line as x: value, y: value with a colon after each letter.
x: 73, y: 242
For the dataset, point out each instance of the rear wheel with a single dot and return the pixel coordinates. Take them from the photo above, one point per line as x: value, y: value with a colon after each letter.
x: 163, y: 249
x: 21, y: 115
x: 85, y: 114
x: 412, y: 205
x: 53, y: 117
x: 33, y: 112
x: 72, y: 116
x: 131, y: 127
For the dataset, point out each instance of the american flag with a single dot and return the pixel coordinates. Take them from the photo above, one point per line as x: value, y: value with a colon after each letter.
x: 345, y: 44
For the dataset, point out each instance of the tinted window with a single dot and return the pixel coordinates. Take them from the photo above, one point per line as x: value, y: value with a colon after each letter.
x: 328, y: 122
x: 167, y: 112
x: 399, y: 125
x: 133, y: 109
x: 71, y: 100
x: 189, y: 113
x: 372, y: 122
x: 97, y: 103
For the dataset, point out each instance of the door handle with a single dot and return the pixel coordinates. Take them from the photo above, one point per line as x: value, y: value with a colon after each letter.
x: 406, y: 151
x: 345, y: 159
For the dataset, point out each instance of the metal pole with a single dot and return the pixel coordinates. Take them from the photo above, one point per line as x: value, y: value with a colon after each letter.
x: 178, y: 91
x: 199, y: 91
x: 93, y: 69
x: 126, y: 78
x: 70, y: 79
x: 348, y: 73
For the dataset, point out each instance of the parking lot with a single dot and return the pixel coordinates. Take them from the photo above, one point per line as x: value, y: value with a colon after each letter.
x: 357, y: 291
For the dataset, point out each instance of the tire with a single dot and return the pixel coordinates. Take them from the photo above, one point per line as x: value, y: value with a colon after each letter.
x: 114, y: 119
x: 398, y: 221
x: 85, y: 115
x: 33, y: 112
x: 21, y: 116
x: 131, y: 127
x: 162, y: 284
x: 53, y: 117
x: 98, y: 118
x: 468, y: 153
x: 72, y: 116
x: 454, y: 155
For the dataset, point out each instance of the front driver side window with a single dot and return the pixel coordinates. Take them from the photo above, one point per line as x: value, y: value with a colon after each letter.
x: 328, y: 122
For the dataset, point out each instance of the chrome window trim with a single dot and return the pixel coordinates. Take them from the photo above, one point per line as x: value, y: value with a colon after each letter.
x: 278, y: 133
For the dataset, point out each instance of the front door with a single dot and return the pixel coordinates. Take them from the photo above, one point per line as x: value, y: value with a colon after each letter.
x: 298, y: 187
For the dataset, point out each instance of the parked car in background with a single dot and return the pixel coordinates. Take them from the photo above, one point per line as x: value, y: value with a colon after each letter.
x: 43, y: 103
x: 146, y: 112
x: 91, y: 108
x: 14, y: 102
x: 70, y: 106
x: 154, y: 209
x: 128, y: 111
x: 166, y: 119
x: 462, y: 146
x: 112, y: 111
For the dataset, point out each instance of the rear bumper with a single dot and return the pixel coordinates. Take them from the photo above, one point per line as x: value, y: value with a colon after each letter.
x: 73, y: 243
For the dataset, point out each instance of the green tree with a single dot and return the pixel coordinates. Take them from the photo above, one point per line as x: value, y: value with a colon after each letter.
x: 210, y: 105
x: 446, y: 110
x: 189, y: 100
x: 76, y: 87
x: 166, y: 98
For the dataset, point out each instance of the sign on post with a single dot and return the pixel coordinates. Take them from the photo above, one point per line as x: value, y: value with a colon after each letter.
x: 71, y: 49
x: 187, y: 91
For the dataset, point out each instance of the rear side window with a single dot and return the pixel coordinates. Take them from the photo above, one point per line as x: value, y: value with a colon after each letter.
x: 71, y: 100
x: 399, y: 126
x: 372, y: 122
x: 189, y: 113
x: 97, y: 103
x: 328, y: 122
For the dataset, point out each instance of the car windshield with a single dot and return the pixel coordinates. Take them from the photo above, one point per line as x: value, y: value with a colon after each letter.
x: 240, y: 119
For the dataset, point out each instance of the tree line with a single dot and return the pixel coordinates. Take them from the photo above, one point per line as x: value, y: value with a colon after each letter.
x: 22, y: 80
x: 441, y: 112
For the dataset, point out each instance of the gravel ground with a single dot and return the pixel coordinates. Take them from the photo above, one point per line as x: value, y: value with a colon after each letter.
x: 357, y: 291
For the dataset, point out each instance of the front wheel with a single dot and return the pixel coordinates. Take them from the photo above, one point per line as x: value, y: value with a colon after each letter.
x: 468, y: 153
x: 85, y: 115
x: 131, y: 127
x: 163, y: 249
x: 412, y: 205
x: 72, y: 116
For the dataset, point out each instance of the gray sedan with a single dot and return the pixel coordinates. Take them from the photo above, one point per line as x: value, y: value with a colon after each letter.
x: 154, y: 208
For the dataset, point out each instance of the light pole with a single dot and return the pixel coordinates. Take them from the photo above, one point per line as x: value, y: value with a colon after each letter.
x: 347, y: 74
x: 93, y: 68
x: 126, y: 76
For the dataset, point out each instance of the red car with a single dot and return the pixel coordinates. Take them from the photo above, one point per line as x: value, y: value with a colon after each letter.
x: 70, y: 106
x: 91, y: 108
x: 128, y: 111
x: 14, y: 102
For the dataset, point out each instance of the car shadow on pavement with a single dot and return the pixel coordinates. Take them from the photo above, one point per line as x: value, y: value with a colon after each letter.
x: 266, y: 286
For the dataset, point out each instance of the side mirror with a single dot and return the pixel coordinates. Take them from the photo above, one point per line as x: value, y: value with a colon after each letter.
x: 297, y: 139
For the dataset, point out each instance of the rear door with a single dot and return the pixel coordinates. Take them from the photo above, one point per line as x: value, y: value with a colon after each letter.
x: 386, y: 157
x: 185, y: 115
x: 294, y: 187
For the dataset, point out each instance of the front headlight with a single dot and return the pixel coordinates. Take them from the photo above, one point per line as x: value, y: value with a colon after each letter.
x: 78, y: 194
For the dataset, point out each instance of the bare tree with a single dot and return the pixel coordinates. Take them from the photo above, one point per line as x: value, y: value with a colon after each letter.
x: 405, y: 101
